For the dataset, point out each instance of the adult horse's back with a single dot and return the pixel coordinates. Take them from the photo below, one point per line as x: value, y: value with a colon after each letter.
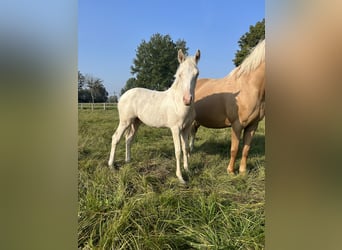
x: 237, y: 101
x: 172, y: 108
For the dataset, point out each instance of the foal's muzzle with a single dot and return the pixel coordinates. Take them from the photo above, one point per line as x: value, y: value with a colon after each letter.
x: 187, y: 99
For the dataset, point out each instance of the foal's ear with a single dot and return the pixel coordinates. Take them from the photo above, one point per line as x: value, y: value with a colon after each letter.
x: 198, y: 55
x: 181, y: 56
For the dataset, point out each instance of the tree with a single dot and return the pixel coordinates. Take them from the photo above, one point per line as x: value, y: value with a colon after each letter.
x: 84, y: 95
x: 80, y: 80
x: 91, y: 89
x: 249, y: 40
x: 131, y: 83
x: 155, y: 63
x: 97, y: 90
x: 113, y: 98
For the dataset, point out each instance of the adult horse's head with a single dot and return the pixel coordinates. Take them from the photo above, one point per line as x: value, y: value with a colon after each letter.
x: 187, y: 74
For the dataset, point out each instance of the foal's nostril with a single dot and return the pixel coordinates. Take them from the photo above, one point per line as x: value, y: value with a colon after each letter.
x: 187, y: 100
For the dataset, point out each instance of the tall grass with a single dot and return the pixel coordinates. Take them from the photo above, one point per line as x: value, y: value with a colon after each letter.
x: 141, y: 205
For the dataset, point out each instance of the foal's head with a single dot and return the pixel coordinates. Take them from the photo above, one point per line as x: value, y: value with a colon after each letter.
x: 187, y: 74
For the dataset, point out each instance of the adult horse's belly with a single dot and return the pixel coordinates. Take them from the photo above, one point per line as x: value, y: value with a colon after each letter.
x: 211, y: 115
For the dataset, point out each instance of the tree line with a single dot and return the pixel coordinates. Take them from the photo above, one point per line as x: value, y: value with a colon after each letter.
x: 156, y: 62
x: 91, y: 89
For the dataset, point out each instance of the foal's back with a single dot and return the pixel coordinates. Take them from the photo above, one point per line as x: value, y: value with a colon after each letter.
x: 149, y: 106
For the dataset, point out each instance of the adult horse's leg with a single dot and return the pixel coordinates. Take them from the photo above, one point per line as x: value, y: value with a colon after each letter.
x: 130, y: 136
x: 234, y: 147
x: 176, y: 140
x: 192, y: 134
x: 115, y: 140
x: 248, y: 134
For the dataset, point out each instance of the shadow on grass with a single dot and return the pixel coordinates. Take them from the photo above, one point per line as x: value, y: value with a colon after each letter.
x: 213, y: 147
x: 258, y: 145
x: 222, y: 148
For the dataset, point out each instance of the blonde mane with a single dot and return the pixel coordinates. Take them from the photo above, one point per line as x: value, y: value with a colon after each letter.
x: 251, y: 62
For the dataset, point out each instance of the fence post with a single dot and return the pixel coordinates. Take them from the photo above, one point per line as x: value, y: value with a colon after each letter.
x: 92, y: 106
x: 104, y: 106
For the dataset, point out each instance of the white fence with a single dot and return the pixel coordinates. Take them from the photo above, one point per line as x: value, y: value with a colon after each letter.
x: 93, y: 106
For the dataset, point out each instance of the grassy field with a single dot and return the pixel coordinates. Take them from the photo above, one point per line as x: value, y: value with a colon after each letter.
x: 141, y: 205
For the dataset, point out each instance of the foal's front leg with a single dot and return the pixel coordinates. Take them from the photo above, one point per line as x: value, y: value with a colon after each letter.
x: 176, y: 140
x: 185, y: 147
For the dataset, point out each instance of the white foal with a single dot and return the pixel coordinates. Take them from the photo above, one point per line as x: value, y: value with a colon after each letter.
x: 172, y: 108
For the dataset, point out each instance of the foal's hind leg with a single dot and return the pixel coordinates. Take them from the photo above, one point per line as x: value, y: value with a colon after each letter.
x: 115, y: 140
x: 247, y: 139
x: 192, y: 134
x: 130, y: 136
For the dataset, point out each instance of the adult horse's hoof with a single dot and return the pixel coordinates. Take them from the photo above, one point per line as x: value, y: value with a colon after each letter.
x: 230, y: 172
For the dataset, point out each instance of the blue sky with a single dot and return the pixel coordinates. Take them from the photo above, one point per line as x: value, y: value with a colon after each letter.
x: 109, y: 33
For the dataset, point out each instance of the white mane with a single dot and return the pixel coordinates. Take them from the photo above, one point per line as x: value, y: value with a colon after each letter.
x: 189, y: 60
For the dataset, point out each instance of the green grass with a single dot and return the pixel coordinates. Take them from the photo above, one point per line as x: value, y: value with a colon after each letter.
x: 141, y: 205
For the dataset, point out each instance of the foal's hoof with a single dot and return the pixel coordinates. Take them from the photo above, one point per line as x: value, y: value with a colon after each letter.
x: 183, y: 182
x: 113, y: 166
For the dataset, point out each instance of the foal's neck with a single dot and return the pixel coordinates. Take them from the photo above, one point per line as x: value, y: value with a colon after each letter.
x: 176, y: 85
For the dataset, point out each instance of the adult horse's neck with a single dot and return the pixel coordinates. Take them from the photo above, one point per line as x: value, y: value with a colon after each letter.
x: 251, y: 72
x: 253, y: 84
x: 247, y: 77
x: 257, y: 78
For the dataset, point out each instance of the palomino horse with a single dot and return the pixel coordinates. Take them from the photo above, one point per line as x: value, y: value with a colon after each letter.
x: 172, y: 108
x: 237, y: 101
